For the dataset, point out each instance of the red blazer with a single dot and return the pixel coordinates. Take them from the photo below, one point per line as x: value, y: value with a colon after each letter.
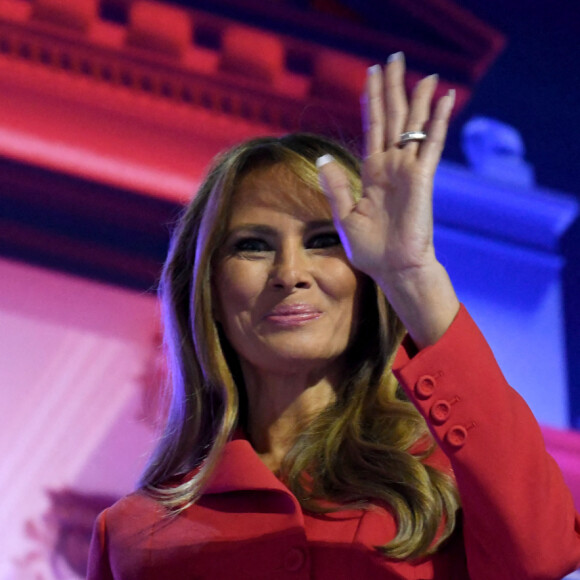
x: 519, y: 521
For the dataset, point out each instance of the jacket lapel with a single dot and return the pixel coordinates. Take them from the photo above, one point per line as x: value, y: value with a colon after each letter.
x: 241, y: 469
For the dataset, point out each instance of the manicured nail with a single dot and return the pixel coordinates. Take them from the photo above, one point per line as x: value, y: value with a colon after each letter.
x: 373, y: 69
x: 325, y: 159
x: 395, y: 56
x: 451, y: 95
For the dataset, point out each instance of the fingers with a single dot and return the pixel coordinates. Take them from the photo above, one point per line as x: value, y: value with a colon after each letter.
x: 420, y: 109
x: 384, y: 105
x: 431, y: 149
x: 387, y: 112
x: 336, y: 187
x: 395, y: 99
x: 373, y: 114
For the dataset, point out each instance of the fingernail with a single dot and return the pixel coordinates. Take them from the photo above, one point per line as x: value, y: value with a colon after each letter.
x: 451, y: 95
x: 373, y: 69
x: 395, y: 56
x: 324, y: 160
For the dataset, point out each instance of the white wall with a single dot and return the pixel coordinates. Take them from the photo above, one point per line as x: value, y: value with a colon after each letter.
x: 72, y: 352
x: 500, y: 245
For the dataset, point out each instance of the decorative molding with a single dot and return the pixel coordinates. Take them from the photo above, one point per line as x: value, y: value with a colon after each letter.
x: 110, y: 110
x: 529, y: 217
x: 247, y: 74
x: 184, y: 64
x: 436, y: 35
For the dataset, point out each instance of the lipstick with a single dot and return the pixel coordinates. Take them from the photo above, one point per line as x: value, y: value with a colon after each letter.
x: 293, y: 314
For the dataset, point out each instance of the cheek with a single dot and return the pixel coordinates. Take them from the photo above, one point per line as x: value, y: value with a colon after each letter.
x: 344, y: 283
x: 348, y: 290
x: 236, y: 287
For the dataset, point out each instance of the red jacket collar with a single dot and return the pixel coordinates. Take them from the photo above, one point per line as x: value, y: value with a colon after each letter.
x: 240, y: 468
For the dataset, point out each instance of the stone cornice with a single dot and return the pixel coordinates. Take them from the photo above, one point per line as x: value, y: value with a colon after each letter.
x: 107, y: 124
x: 191, y: 58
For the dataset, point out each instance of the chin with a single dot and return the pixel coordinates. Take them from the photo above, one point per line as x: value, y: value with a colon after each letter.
x: 295, y: 360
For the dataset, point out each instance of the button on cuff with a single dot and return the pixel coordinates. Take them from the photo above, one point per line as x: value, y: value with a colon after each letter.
x: 440, y: 412
x: 425, y: 386
x: 456, y: 436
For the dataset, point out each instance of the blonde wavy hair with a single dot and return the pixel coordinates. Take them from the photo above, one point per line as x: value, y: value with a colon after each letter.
x: 366, y: 448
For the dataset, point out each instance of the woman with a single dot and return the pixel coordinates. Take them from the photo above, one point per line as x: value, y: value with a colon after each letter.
x: 290, y: 451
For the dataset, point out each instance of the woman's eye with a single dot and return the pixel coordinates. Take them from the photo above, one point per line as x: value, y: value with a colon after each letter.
x: 251, y: 245
x: 327, y: 240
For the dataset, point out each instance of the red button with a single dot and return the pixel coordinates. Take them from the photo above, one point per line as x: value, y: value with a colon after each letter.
x: 425, y: 386
x: 294, y: 559
x: 456, y: 436
x: 440, y: 412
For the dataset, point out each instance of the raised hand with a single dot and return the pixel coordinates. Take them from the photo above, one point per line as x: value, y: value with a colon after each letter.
x: 388, y: 233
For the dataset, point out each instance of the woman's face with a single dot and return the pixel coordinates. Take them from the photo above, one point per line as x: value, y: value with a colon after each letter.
x: 286, y: 295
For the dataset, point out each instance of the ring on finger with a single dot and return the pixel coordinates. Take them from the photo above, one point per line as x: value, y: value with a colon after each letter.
x: 410, y: 136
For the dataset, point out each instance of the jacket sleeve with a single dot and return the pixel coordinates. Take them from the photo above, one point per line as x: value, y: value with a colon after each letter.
x: 98, y: 565
x: 519, y: 520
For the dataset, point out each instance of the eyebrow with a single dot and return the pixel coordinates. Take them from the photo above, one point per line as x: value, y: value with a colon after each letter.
x: 268, y: 230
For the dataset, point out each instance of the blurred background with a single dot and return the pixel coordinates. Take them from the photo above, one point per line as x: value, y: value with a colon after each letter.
x: 110, y: 111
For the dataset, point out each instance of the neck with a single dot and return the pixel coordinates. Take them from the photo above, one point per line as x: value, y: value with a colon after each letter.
x: 279, y: 406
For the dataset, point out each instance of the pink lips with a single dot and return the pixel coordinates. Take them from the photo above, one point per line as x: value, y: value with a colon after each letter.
x: 293, y: 314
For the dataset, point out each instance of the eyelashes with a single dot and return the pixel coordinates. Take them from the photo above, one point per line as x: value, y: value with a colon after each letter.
x: 252, y: 244
x: 325, y: 240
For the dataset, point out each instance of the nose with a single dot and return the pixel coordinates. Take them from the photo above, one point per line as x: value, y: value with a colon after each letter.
x: 291, y: 269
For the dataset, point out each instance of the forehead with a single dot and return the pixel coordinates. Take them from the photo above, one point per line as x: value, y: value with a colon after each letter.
x: 278, y: 188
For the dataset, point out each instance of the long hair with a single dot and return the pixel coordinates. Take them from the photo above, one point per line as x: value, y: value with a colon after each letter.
x: 366, y: 448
